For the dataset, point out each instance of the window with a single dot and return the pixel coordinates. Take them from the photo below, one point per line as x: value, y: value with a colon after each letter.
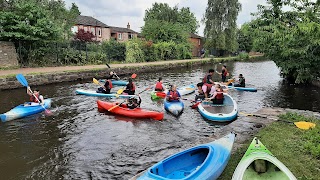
x: 131, y: 36
x: 99, y: 32
x: 93, y: 31
x: 74, y: 29
x: 85, y: 29
x: 119, y: 36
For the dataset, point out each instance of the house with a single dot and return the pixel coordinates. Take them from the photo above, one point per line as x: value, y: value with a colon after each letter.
x: 197, y: 42
x: 101, y: 31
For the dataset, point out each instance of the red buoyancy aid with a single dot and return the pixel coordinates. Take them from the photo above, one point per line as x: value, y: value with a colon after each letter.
x: 225, y: 73
x: 174, y: 95
x: 131, y: 88
x: 159, y: 86
x: 33, y: 99
x: 219, y: 94
x: 205, y: 78
x: 110, y: 83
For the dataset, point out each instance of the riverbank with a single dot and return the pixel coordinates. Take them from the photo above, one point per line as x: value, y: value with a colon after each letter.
x: 49, y: 75
x: 298, y: 149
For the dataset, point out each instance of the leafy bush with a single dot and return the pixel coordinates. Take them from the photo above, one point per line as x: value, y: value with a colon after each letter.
x: 134, y: 52
x: 243, y: 56
x: 114, y: 50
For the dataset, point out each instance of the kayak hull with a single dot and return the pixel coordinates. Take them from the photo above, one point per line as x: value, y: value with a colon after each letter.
x: 174, y: 107
x: 243, y: 88
x: 134, y: 113
x: 157, y: 95
x: 259, y: 163
x: 23, y: 111
x: 205, y: 162
x: 116, y: 82
x: 227, y: 111
x: 94, y: 93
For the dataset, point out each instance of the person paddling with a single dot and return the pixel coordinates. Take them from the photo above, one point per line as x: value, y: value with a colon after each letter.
x: 112, y: 75
x: 204, y: 91
x: 173, y: 94
x: 35, y: 97
x: 106, y: 89
x: 241, y: 82
x: 159, y: 86
x: 224, y: 73
x: 133, y: 102
x: 130, y: 88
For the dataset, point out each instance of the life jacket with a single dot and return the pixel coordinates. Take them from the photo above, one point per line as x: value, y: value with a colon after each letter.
x: 224, y: 72
x: 243, y: 82
x: 131, y: 87
x: 110, y: 83
x: 33, y: 99
x: 174, y: 94
x: 219, y: 94
x: 159, y: 86
x: 205, y: 79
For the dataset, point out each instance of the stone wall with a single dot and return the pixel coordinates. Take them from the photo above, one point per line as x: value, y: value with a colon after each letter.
x: 8, y: 55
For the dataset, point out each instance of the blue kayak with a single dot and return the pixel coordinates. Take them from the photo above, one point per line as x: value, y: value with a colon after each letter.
x: 25, y: 110
x: 116, y: 82
x: 203, y: 162
x: 94, y: 93
x: 227, y: 111
x: 174, y: 107
x: 243, y: 88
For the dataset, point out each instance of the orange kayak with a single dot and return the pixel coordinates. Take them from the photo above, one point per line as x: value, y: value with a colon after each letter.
x: 123, y: 110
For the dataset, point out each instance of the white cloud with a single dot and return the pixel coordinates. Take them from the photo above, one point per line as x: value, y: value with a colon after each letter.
x: 120, y: 12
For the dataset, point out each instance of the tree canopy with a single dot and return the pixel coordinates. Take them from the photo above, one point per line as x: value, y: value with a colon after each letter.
x: 291, y: 38
x: 163, y: 23
x: 35, y: 20
x: 220, y: 24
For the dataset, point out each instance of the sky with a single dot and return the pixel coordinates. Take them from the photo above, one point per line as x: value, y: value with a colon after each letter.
x: 120, y: 12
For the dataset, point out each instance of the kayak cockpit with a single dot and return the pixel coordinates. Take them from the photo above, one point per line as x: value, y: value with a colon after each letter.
x: 261, y: 169
x: 182, y: 165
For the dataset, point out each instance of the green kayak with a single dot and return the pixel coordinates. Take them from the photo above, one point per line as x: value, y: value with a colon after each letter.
x: 258, y: 163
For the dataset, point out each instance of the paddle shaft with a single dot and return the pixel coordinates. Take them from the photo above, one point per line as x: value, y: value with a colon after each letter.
x: 110, y: 67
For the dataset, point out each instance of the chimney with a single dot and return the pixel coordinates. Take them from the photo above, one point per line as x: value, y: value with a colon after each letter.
x: 128, y: 26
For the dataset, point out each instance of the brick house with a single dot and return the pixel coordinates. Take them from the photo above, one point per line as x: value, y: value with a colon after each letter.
x: 197, y: 42
x: 101, y: 31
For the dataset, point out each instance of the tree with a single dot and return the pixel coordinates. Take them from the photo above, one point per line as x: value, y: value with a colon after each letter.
x: 290, y: 38
x: 84, y: 36
x: 220, y: 24
x: 163, y: 23
x: 27, y: 20
x: 244, y: 38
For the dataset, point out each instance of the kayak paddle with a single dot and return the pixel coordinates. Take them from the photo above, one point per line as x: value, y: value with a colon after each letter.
x: 120, y: 91
x: 300, y: 124
x: 95, y: 81
x: 126, y: 100
x: 110, y: 67
x: 24, y: 82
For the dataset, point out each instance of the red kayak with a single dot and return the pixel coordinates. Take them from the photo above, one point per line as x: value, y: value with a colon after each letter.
x: 135, y: 113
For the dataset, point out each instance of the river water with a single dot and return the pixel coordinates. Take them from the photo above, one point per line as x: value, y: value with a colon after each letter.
x: 78, y: 142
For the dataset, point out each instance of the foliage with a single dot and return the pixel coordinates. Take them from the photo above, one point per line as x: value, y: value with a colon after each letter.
x: 84, y: 36
x: 164, y: 24
x: 27, y: 20
x: 245, y: 39
x: 114, y: 50
x: 220, y: 24
x: 290, y: 38
x: 243, y: 56
x: 134, y: 52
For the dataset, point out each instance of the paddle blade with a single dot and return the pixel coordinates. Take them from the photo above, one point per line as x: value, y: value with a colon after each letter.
x: 305, y: 125
x: 47, y: 112
x: 195, y: 106
x: 230, y: 81
x: 133, y: 76
x: 120, y: 91
x: 22, y: 80
x: 189, y: 89
x: 95, y: 81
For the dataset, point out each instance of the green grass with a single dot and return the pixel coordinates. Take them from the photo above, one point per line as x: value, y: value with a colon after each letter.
x: 297, y: 149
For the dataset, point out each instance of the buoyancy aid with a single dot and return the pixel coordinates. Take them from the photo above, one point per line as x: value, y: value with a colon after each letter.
x: 33, y: 99
x: 131, y: 87
x: 205, y: 79
x: 159, y: 86
x: 174, y: 95
x: 219, y: 94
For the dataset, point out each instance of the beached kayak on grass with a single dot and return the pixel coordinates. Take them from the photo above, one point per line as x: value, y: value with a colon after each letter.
x: 25, y: 110
x: 124, y: 111
x: 203, y: 162
x: 258, y: 163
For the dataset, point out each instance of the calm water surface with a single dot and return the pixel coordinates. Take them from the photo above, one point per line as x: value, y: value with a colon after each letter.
x: 78, y: 142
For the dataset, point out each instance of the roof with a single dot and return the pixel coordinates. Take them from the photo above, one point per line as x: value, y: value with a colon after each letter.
x: 195, y: 36
x: 121, y: 30
x: 89, y: 21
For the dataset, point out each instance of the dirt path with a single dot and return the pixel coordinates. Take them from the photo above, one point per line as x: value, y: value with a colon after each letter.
x: 26, y: 71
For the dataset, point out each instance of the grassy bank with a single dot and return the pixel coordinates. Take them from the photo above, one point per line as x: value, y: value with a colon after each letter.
x: 298, y: 149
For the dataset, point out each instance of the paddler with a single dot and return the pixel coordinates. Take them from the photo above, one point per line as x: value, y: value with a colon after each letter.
x: 112, y: 75
x: 204, y: 91
x: 241, y: 81
x: 224, y: 73
x: 133, y: 102
x: 217, y: 97
x: 173, y: 94
x: 159, y: 87
x: 207, y: 80
x: 35, y: 97
x: 130, y: 88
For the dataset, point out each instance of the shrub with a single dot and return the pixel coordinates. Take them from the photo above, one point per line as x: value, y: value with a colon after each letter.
x: 114, y: 50
x: 134, y: 52
x: 243, y: 56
